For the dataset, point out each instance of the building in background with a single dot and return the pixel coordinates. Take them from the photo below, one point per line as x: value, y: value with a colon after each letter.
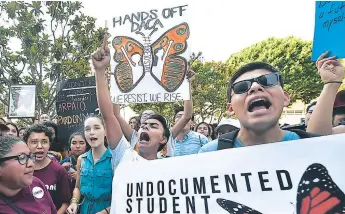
x: 294, y: 114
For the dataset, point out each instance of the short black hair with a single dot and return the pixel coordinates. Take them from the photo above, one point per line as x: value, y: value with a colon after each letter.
x: 7, y: 143
x: 52, y: 125
x: 15, y: 126
x: 2, y: 119
x: 179, y: 109
x: 141, y: 114
x: 247, y: 68
x: 164, y: 123
x: 38, y: 128
x: 337, y: 111
x: 55, y: 144
x: 311, y: 105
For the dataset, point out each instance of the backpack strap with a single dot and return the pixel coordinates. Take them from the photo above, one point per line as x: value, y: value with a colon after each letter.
x: 10, y: 204
x: 227, y: 141
x: 302, y: 134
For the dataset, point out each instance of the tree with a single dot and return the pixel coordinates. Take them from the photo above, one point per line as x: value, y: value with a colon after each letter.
x: 291, y: 56
x: 55, y: 39
x: 209, y: 90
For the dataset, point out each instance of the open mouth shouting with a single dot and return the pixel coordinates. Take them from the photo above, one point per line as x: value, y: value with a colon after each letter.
x: 40, y: 155
x: 144, y: 138
x: 259, y: 106
x: 93, y: 139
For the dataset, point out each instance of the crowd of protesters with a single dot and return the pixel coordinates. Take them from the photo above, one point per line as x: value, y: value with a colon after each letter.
x: 41, y: 174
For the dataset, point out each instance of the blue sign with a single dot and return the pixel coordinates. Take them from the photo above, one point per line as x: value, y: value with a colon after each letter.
x: 329, y: 31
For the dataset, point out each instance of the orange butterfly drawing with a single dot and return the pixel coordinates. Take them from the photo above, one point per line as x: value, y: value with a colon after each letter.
x: 317, y: 193
x: 160, y: 58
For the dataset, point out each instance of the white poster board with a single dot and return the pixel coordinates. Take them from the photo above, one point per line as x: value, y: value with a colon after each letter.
x: 22, y: 101
x: 150, y: 51
x: 274, y: 178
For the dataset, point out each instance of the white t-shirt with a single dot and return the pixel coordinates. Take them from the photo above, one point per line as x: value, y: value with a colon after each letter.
x: 122, y: 153
x: 170, y: 145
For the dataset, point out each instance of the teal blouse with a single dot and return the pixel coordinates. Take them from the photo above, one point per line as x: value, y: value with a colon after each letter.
x: 95, y: 182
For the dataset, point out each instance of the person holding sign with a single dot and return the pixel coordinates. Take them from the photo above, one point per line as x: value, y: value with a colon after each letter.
x: 256, y: 96
x: 179, y: 126
x: 152, y: 135
x: 322, y: 120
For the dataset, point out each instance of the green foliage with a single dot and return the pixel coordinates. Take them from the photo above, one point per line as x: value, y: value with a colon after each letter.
x: 292, y: 57
x: 209, y: 90
x: 56, y: 40
x: 2, y: 111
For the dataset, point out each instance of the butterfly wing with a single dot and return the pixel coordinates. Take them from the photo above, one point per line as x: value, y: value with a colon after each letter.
x: 127, y: 49
x: 318, y: 194
x: 173, y: 70
x: 235, y: 208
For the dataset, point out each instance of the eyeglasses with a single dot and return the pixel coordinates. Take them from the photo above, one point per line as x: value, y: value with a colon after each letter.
x: 35, y: 143
x: 266, y: 81
x: 22, y: 158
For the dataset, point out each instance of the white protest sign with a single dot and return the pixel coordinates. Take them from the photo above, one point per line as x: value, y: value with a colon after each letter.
x: 150, y: 52
x: 22, y: 101
x: 305, y: 176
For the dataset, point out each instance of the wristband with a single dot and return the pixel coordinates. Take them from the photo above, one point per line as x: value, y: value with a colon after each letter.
x: 106, y: 210
x: 340, y: 82
x: 74, y: 200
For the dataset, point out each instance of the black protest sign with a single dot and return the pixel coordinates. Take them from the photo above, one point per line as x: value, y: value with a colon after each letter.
x: 76, y: 99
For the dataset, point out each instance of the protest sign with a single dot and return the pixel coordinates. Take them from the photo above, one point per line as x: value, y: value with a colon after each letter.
x: 150, y: 52
x: 302, y: 176
x: 76, y: 99
x: 22, y: 101
x: 329, y: 32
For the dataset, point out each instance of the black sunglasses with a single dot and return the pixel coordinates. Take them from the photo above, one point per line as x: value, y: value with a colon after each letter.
x: 22, y: 158
x: 266, y: 81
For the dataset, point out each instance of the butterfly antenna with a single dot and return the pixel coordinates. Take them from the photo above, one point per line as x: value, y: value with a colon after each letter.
x: 154, y: 30
x: 138, y: 32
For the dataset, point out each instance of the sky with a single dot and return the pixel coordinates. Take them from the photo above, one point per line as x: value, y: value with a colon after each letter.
x: 219, y: 28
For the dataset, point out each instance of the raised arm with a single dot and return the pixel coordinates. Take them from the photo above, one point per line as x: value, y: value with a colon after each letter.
x: 126, y: 129
x: 100, y: 61
x: 332, y: 74
x: 188, y: 109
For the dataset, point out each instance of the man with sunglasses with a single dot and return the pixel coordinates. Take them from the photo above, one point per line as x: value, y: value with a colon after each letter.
x: 20, y: 191
x: 256, y: 96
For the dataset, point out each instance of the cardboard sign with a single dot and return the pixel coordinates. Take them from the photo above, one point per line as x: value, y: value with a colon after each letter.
x: 22, y: 101
x: 287, y: 177
x: 76, y: 99
x: 150, y: 52
x: 329, y: 32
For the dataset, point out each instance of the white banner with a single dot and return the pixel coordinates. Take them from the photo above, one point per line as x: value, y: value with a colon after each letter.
x: 305, y: 176
x: 150, y: 52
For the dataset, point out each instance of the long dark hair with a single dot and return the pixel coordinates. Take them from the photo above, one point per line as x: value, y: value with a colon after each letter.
x: 78, y: 134
x: 56, y: 145
x: 208, y: 128
x: 15, y: 126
